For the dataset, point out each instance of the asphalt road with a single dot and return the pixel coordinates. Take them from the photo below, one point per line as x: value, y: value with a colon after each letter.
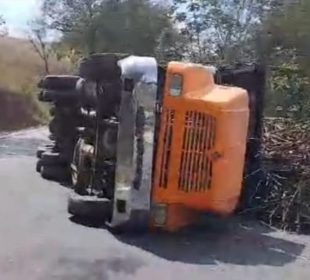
x: 38, y: 241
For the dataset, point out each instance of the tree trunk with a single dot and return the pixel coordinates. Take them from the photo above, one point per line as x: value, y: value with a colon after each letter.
x: 46, y: 65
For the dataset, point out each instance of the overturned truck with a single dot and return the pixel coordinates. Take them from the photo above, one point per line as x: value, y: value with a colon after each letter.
x: 160, y: 145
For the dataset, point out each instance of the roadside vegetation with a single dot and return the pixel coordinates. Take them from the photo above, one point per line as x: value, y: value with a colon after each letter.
x: 20, y: 70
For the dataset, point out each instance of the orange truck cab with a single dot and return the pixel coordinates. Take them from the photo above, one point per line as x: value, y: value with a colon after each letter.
x: 194, y: 157
x: 202, y: 144
x: 181, y: 147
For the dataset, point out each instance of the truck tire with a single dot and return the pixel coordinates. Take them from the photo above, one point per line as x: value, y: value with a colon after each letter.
x: 58, y: 82
x: 52, y: 158
x: 97, y: 66
x: 63, y: 127
x: 89, y: 207
x: 67, y: 103
x: 64, y: 111
x: 45, y: 149
x: 50, y: 95
x: 52, y: 126
x: 41, y: 97
x: 52, y: 111
x: 40, y: 151
x: 39, y: 166
x: 55, y: 173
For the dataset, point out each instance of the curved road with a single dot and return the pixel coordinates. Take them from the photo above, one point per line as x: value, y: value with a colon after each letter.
x: 38, y: 241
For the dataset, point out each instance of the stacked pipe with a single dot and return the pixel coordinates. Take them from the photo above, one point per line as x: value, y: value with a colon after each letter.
x: 55, y: 158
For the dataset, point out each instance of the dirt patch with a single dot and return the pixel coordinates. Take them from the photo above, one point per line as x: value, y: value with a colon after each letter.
x: 18, y: 111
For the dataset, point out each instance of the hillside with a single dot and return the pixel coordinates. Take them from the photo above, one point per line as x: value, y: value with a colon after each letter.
x: 20, y: 70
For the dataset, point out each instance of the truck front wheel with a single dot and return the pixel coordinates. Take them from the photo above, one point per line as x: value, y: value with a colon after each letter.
x: 89, y: 207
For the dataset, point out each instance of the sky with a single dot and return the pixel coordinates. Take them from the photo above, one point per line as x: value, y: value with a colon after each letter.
x: 17, y: 14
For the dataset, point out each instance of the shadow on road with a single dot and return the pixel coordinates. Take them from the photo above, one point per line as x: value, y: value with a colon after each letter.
x: 234, y: 242
x: 93, y: 223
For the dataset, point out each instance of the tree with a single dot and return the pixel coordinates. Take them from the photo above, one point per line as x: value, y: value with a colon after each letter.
x: 220, y: 30
x: 171, y: 46
x: 138, y: 32
x: 2, y: 21
x: 3, y: 30
x: 288, y: 44
x: 77, y: 20
x: 103, y: 26
x: 38, y: 38
x: 289, y: 28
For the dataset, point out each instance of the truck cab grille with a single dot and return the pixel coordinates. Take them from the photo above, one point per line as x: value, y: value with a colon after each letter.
x: 195, y: 171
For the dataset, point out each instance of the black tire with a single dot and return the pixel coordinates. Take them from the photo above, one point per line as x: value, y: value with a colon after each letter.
x: 65, y: 112
x: 65, y: 136
x: 52, y: 126
x: 41, y: 97
x: 45, y: 149
x: 40, y: 151
x: 87, y: 92
x: 50, y: 95
x: 52, y: 158
x: 52, y: 111
x: 58, y: 82
x: 55, y: 173
x: 89, y: 207
x: 67, y: 103
x: 100, y: 66
x: 52, y: 137
x: 62, y: 127
x: 39, y: 166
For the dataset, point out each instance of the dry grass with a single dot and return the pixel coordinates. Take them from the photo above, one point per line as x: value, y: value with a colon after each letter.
x: 20, y: 71
x: 21, y: 67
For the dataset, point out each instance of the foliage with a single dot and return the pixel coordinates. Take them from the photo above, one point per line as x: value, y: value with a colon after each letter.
x: 108, y: 26
x: 3, y: 29
x: 221, y: 31
x: 287, y: 51
x: 288, y: 92
x: 171, y: 46
x: 273, y: 32
x: 76, y: 19
x: 67, y: 54
x: 21, y: 68
x: 39, y: 41
x: 289, y: 28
